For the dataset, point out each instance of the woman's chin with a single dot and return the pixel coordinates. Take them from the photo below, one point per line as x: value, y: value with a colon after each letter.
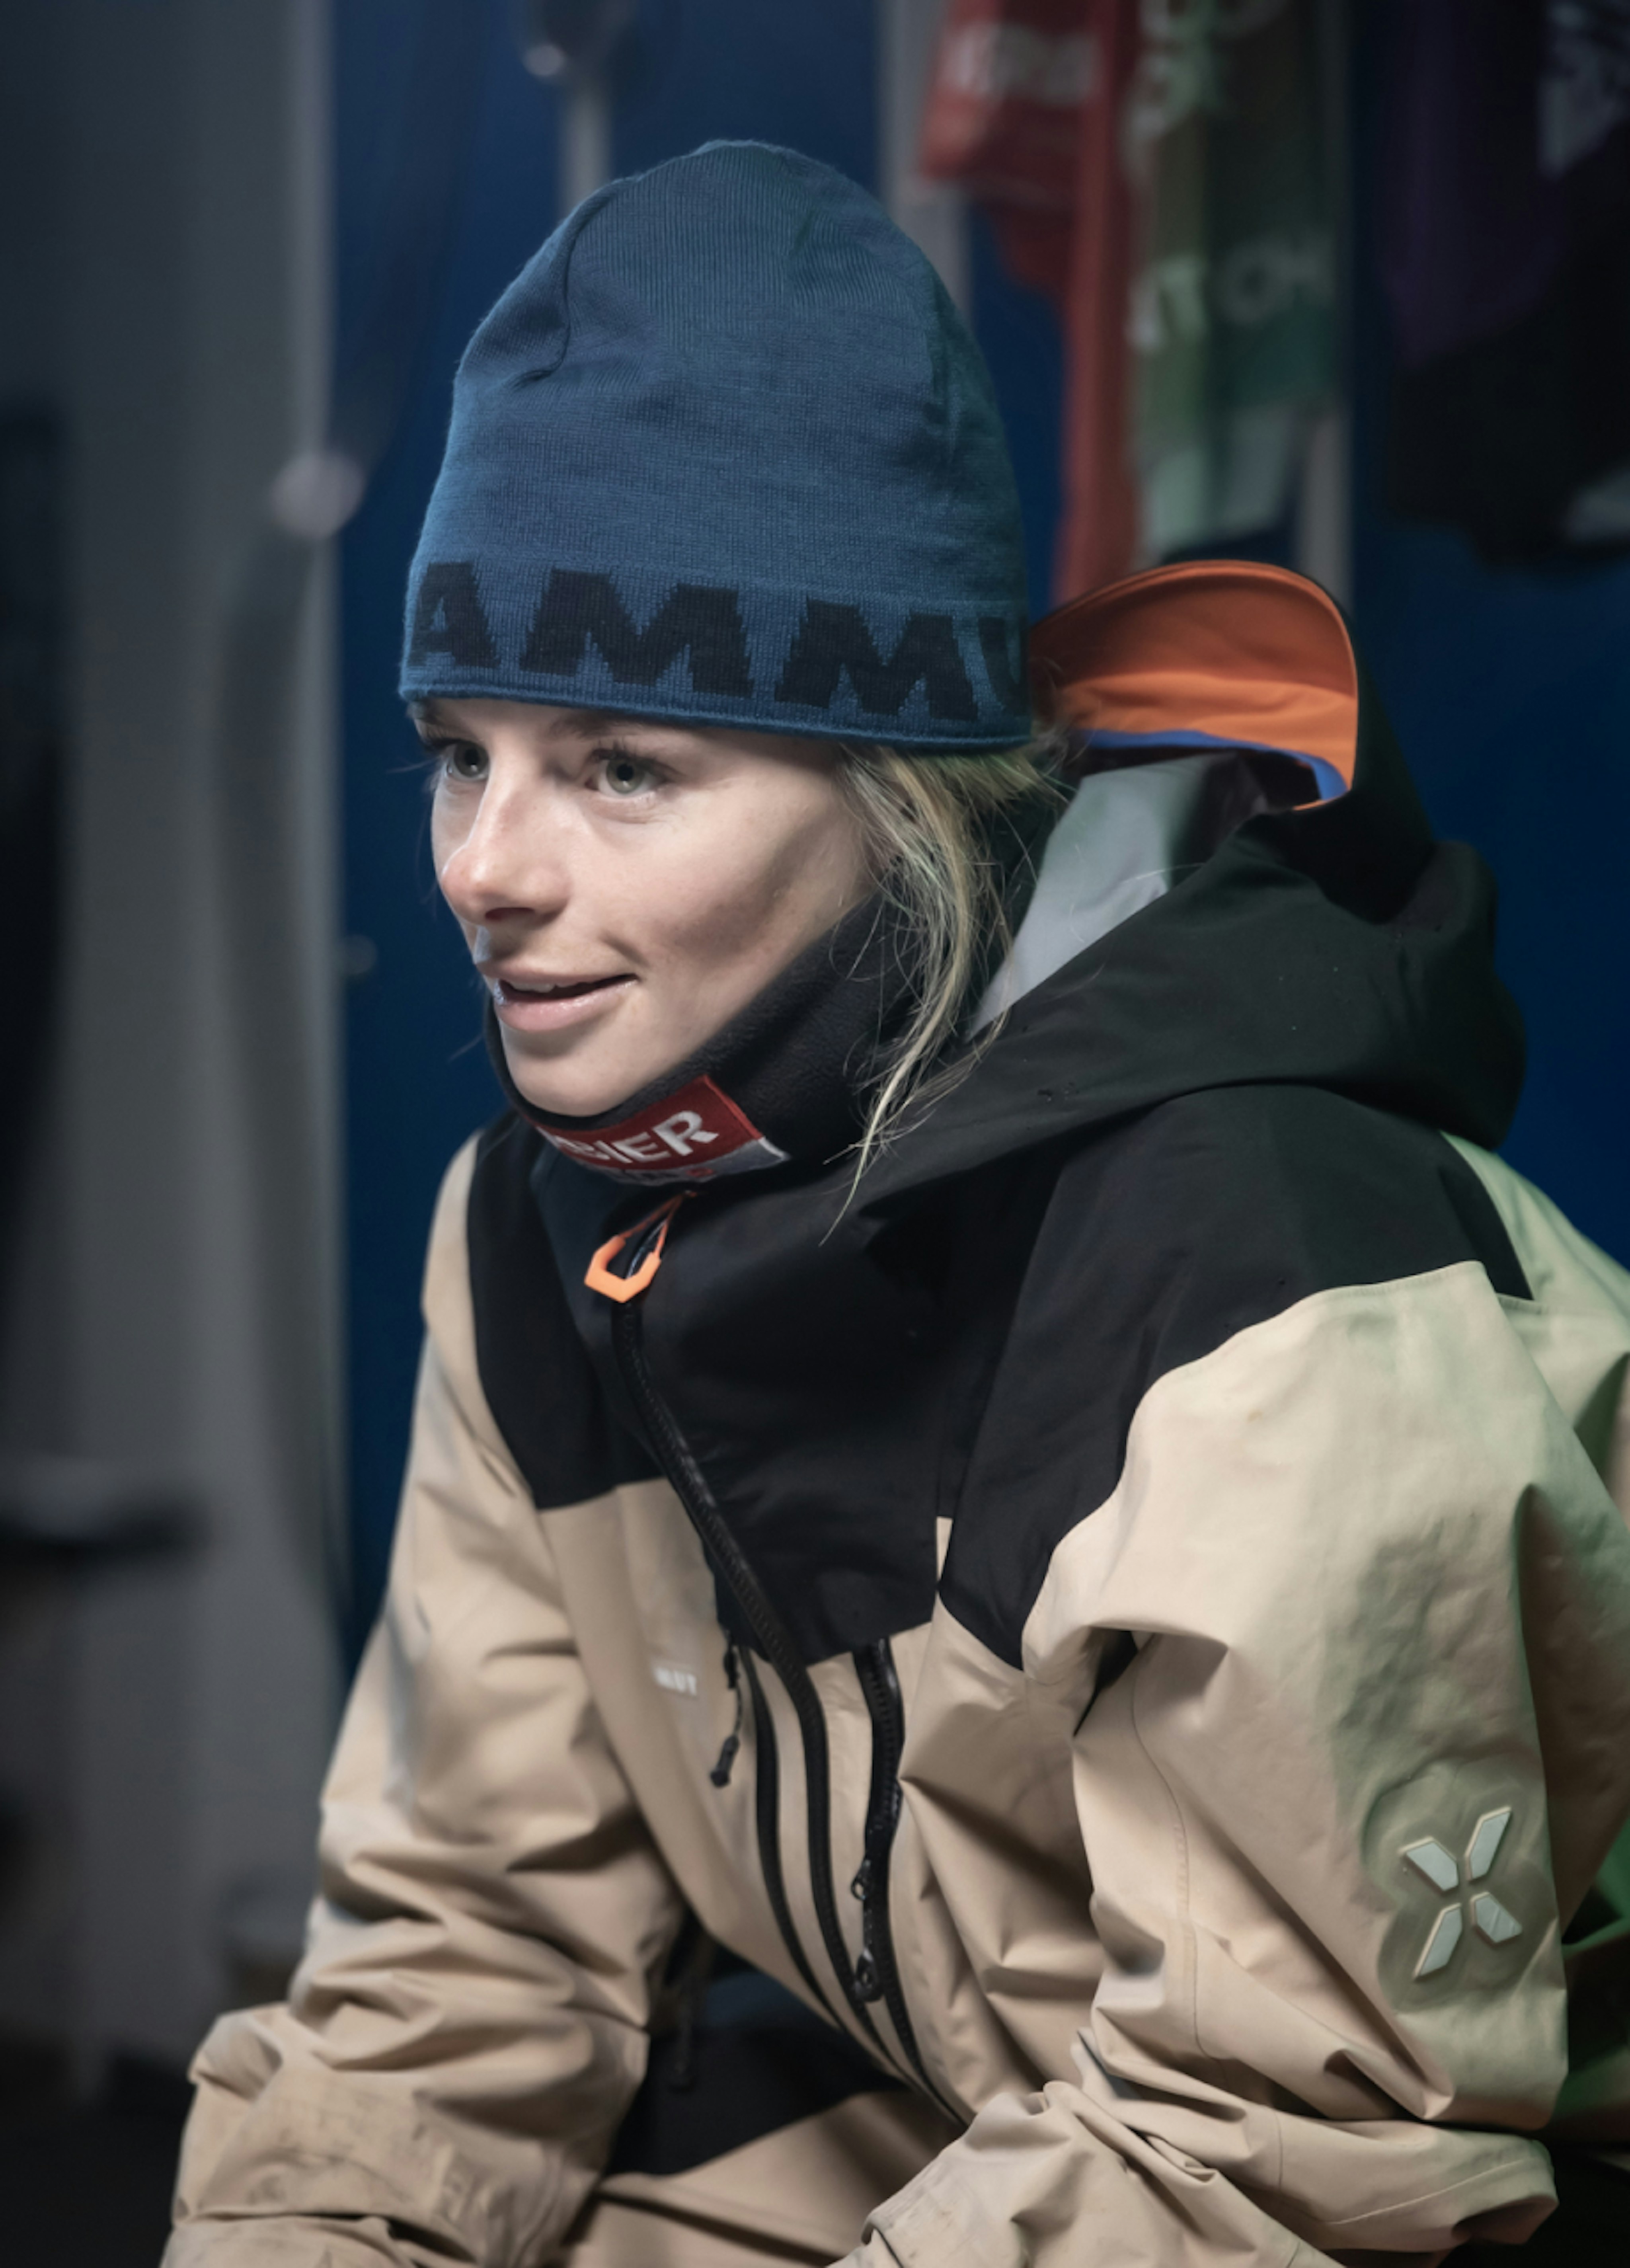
x: 572, y: 1090
x: 557, y: 1099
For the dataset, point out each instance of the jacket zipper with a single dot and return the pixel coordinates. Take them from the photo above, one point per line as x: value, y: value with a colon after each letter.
x: 774, y: 1643
x: 877, y: 1973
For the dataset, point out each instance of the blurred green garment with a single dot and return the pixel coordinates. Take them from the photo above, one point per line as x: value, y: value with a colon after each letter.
x: 1233, y: 311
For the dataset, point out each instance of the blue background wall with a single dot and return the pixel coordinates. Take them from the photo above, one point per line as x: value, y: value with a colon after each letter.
x: 1511, y: 695
x: 1510, y: 691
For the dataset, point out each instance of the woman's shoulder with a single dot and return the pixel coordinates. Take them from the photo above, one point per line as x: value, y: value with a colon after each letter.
x: 1274, y: 1191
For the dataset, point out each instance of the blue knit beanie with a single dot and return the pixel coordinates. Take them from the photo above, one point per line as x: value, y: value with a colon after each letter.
x: 725, y: 452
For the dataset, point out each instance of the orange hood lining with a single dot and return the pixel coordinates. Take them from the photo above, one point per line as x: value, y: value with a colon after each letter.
x: 1245, y: 654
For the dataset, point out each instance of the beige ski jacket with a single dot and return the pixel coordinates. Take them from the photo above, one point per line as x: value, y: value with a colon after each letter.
x: 1127, y: 1620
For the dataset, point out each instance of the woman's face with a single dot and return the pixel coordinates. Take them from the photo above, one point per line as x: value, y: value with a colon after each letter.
x: 626, y: 887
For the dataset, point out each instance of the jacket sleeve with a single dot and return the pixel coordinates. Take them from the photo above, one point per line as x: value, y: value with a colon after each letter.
x: 1370, y: 1738
x: 467, y: 2025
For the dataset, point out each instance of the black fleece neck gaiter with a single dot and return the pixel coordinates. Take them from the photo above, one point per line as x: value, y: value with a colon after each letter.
x: 784, y: 1079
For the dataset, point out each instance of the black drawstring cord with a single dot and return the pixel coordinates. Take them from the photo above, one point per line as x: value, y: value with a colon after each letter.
x: 720, y: 1773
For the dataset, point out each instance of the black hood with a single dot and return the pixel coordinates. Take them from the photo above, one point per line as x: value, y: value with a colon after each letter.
x: 1336, y: 945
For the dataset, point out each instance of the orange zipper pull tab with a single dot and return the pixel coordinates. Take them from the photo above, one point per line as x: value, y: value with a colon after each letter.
x: 598, y: 1276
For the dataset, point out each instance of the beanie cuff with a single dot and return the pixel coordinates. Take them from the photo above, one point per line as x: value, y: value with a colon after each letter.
x: 762, y: 658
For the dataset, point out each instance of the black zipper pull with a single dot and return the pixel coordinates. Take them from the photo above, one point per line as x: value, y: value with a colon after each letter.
x: 727, y: 1754
x: 869, y: 1982
x: 691, y: 2011
x: 682, y: 2075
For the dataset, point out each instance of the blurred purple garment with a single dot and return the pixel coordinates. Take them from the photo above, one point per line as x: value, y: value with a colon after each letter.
x: 1504, y: 200
x: 1472, y: 234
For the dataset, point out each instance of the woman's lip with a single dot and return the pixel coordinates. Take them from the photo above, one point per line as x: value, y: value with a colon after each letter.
x: 521, y: 1011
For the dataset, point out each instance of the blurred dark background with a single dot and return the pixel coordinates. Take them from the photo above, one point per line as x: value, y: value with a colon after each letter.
x: 1343, y: 287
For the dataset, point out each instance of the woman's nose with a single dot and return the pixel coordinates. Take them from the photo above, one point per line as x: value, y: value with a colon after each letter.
x: 507, y: 865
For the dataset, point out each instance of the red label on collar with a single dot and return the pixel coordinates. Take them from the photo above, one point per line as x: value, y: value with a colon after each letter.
x: 691, y: 1136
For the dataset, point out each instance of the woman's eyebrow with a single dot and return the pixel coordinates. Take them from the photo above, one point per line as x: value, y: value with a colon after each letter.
x: 587, y: 723
x: 431, y: 715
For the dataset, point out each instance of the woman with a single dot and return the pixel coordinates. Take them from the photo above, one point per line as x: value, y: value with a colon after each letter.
x: 1009, y: 1588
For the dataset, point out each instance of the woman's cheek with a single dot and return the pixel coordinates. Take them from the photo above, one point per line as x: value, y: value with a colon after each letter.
x: 715, y: 916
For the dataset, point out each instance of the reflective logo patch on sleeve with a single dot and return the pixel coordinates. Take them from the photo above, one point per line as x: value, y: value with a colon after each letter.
x: 1468, y: 1881
x: 1490, y: 1919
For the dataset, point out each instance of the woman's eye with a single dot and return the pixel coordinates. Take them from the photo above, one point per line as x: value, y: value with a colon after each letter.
x: 454, y: 761
x: 625, y: 775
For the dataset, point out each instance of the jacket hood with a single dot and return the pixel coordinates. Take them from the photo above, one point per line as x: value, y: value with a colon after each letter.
x: 1333, y: 944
